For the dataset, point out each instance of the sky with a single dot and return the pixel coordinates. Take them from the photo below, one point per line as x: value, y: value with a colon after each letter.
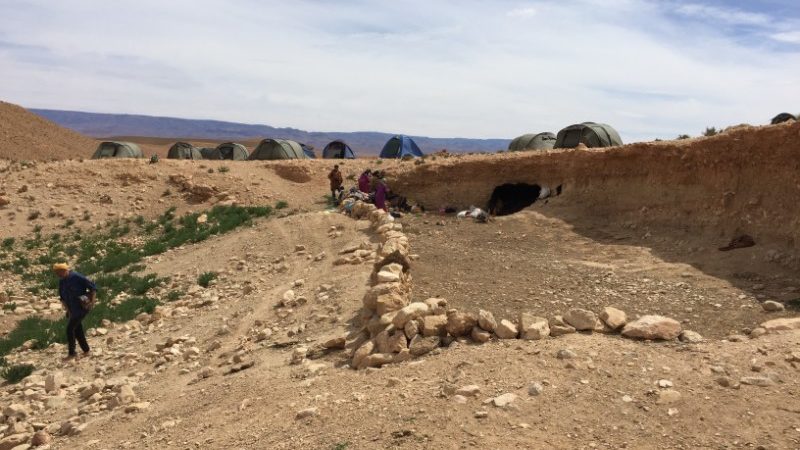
x: 439, y: 68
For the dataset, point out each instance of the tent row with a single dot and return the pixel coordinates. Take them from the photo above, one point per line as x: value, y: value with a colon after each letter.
x: 590, y: 134
x: 268, y: 149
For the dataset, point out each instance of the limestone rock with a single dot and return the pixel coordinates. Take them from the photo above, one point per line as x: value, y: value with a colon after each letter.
x: 613, y: 317
x: 390, y: 302
x: 434, y: 326
x: 535, y: 389
x: 54, y: 381
x: 9, y: 442
x: 559, y: 328
x: 411, y: 329
x: 40, y: 438
x: 409, y: 312
x: 308, y: 412
x: 504, y: 400
x: 376, y: 360
x: 361, y: 353
x: 460, y: 324
x: 757, y: 381
x: 506, y: 330
x: 480, y: 335
x: 469, y: 391
x: 772, y: 306
x: 652, y: 327
x: 580, y: 319
x: 532, y: 327
x: 436, y: 306
x: 668, y: 396
x: 690, y: 337
x: 422, y: 345
x: 486, y: 320
x: 786, y: 324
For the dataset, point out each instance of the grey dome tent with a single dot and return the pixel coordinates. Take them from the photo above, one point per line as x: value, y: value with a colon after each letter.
x: 184, y: 150
x: 206, y: 152
x: 309, y: 151
x: 230, y: 150
x: 399, y: 147
x: 541, y: 141
x: 338, y: 149
x: 113, y: 149
x: 590, y: 134
x: 783, y: 117
x: 278, y: 149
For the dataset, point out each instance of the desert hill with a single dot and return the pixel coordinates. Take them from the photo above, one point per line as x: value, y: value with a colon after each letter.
x: 250, y: 337
x: 367, y: 142
x: 27, y: 136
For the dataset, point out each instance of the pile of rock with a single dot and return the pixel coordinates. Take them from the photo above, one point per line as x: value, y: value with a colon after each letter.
x: 394, y: 330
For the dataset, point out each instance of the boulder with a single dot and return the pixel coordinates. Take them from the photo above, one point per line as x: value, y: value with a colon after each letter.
x: 558, y: 327
x: 411, y: 329
x: 786, y: 324
x: 486, y: 320
x: 54, y: 381
x: 434, y: 326
x: 506, y: 330
x: 690, y: 337
x: 436, y: 305
x: 480, y: 335
x: 376, y: 360
x: 613, y: 317
x: 390, y: 302
x: 580, y: 319
x: 422, y: 345
x: 504, y: 400
x: 40, y: 438
x: 532, y: 327
x: 409, y: 312
x: 14, y: 440
x: 460, y: 324
x: 652, y: 327
x: 361, y: 353
x: 772, y: 306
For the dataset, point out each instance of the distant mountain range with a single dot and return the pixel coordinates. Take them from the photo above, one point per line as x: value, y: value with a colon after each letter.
x: 100, y: 125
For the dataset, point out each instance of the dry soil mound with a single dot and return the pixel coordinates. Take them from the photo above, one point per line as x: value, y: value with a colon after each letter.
x: 24, y: 135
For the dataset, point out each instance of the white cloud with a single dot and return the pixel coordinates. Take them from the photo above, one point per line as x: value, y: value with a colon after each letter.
x: 525, y: 11
x: 439, y: 68
x: 731, y: 16
x: 791, y: 37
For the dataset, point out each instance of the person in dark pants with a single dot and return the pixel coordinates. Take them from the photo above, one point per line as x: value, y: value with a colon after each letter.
x: 77, y: 294
x: 336, y: 183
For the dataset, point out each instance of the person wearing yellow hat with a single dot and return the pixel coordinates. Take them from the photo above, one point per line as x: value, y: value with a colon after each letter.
x: 78, y: 295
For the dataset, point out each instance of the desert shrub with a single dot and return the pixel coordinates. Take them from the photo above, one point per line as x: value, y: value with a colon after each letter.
x: 683, y: 136
x: 16, y: 373
x: 174, y: 295
x: 206, y: 278
x: 711, y: 131
x: 223, y: 169
x: 9, y: 306
x: 281, y: 204
x: 8, y: 243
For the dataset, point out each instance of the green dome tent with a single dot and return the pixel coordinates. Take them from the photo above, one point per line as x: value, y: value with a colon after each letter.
x: 229, y: 150
x: 206, y: 152
x: 184, y: 150
x: 590, y: 134
x: 278, y: 149
x: 112, y: 149
x: 541, y: 141
x: 783, y: 117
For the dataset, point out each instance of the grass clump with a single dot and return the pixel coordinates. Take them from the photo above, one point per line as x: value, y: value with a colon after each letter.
x: 206, y: 278
x: 282, y: 204
x: 16, y: 373
x: 114, y: 263
x: 224, y: 169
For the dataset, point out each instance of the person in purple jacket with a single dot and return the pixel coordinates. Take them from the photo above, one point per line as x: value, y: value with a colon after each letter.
x: 380, y: 191
x: 77, y: 294
x: 363, y: 182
